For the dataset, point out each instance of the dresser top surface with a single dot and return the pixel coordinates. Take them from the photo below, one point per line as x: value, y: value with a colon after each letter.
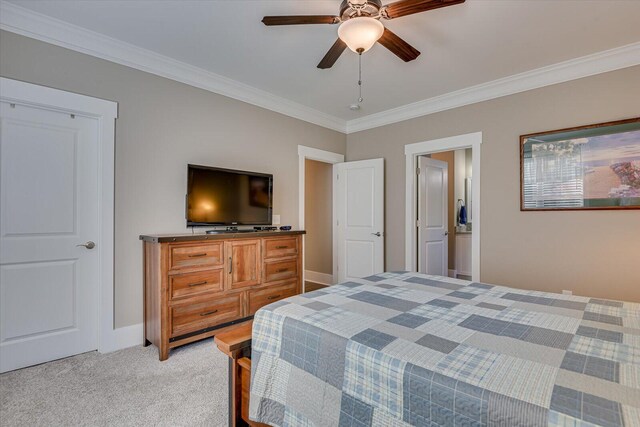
x: 186, y: 237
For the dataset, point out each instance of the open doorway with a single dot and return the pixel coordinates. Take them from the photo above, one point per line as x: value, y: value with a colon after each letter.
x: 445, y: 215
x: 318, y: 222
x: 357, y: 212
x: 316, y: 197
x: 444, y: 223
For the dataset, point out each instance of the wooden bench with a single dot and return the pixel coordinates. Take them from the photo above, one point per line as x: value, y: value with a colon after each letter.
x: 236, y: 344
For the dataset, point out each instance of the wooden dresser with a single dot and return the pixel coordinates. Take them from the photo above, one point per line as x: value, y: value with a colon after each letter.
x: 198, y: 285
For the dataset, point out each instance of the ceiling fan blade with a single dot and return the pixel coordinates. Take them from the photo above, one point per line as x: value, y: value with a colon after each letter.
x: 332, y: 56
x: 409, y: 7
x: 399, y: 47
x: 301, y: 19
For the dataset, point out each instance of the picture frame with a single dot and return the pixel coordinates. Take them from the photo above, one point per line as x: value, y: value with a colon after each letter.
x: 592, y: 167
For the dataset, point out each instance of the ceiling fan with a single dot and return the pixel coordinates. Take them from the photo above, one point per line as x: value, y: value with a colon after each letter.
x: 360, y: 26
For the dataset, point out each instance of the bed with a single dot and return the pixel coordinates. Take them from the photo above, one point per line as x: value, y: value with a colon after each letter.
x: 402, y: 348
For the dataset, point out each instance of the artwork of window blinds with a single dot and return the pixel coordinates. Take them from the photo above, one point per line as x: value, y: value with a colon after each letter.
x: 553, y: 175
x: 592, y: 167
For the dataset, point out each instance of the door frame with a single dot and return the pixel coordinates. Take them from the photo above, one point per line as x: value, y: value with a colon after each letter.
x: 412, y: 151
x: 316, y: 154
x: 105, y: 112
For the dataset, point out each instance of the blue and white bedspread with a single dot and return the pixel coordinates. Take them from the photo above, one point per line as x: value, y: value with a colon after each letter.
x: 399, y: 349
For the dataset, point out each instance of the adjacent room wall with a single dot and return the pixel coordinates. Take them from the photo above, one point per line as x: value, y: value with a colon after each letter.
x: 164, y: 125
x: 463, y: 171
x: 460, y: 175
x: 593, y: 253
x: 318, y: 216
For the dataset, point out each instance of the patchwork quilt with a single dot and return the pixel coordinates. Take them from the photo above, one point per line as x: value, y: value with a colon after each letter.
x: 399, y: 349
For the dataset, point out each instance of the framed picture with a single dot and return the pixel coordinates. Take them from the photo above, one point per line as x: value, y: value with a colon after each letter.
x: 587, y: 167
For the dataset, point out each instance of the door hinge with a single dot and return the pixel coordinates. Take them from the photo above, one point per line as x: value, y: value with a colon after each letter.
x: 417, y: 223
x: 417, y: 171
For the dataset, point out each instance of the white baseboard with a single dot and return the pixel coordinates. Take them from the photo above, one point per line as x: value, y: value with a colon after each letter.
x: 321, y: 278
x: 117, y: 339
x: 453, y: 273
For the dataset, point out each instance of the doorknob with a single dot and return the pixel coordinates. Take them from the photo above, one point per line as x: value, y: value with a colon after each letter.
x: 377, y: 234
x: 88, y: 245
x: 446, y: 233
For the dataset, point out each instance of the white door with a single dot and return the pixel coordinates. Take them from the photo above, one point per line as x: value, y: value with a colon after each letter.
x: 432, y: 217
x: 48, y: 206
x: 359, y: 218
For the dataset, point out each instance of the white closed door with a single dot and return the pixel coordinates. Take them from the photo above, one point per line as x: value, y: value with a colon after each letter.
x: 359, y: 218
x: 433, y: 221
x: 48, y: 206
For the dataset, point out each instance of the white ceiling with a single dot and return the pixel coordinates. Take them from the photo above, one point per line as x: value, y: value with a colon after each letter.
x: 462, y: 46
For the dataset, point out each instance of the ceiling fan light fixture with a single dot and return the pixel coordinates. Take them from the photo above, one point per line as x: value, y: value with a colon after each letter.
x: 360, y: 33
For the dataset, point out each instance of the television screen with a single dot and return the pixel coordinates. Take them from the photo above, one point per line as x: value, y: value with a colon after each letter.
x: 228, y: 197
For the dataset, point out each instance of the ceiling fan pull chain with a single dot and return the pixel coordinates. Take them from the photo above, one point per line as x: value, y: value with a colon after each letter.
x: 360, y: 76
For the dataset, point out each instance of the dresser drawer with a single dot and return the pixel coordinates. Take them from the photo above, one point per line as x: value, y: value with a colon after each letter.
x: 280, y: 270
x: 190, y: 284
x: 196, y: 256
x: 261, y: 297
x: 194, y: 316
x: 280, y: 248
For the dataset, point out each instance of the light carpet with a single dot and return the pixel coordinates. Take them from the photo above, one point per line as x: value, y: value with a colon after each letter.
x: 126, y: 388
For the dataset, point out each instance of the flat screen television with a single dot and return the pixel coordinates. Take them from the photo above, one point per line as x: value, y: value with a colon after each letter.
x: 218, y: 196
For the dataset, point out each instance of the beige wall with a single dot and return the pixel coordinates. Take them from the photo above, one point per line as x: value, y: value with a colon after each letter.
x: 164, y: 125
x: 318, y: 214
x: 448, y: 156
x: 594, y: 253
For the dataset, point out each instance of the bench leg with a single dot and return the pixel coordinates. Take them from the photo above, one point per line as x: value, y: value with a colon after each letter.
x: 235, y: 395
x: 232, y: 395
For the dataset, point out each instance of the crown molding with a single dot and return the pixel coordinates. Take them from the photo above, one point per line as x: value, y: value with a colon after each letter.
x: 31, y: 24
x: 601, y: 62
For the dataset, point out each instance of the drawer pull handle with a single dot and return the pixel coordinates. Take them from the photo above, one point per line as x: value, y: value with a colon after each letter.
x: 198, y: 283
x: 282, y: 270
x: 230, y: 265
x: 272, y: 297
x: 197, y: 255
x: 282, y: 247
x: 209, y: 313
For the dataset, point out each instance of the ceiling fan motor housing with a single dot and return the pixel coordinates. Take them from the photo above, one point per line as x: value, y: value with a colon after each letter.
x: 349, y: 9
